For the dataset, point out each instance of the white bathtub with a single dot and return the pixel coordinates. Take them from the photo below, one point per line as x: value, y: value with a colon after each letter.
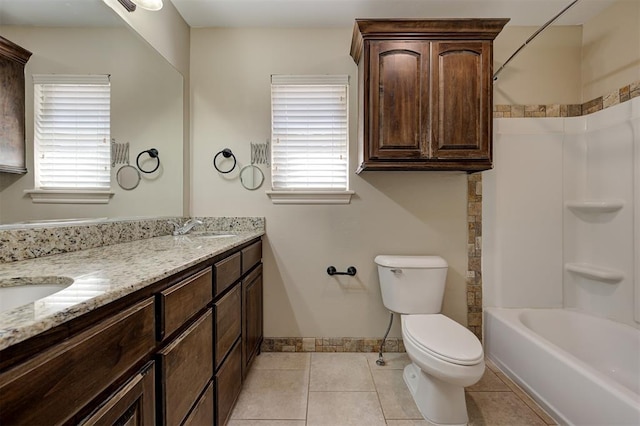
x: 582, y: 369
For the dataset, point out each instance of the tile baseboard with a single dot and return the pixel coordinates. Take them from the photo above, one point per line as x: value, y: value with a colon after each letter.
x: 331, y: 344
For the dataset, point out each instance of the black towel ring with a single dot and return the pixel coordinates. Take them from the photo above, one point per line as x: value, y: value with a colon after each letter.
x: 226, y: 153
x: 153, y: 153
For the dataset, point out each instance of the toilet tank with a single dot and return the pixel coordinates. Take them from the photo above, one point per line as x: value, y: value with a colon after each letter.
x: 412, y: 284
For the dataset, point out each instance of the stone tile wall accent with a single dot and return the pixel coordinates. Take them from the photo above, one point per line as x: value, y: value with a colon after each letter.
x: 324, y: 344
x: 36, y: 241
x: 474, y: 253
x: 556, y: 110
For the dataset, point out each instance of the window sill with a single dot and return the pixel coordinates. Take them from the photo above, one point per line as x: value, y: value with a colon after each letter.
x: 68, y: 196
x: 310, y: 197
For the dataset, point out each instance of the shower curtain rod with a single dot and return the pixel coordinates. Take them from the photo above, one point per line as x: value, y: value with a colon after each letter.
x: 534, y: 35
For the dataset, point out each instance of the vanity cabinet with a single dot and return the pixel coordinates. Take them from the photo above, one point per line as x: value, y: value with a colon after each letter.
x: 13, y: 59
x: 172, y: 353
x: 425, y: 93
x: 51, y: 387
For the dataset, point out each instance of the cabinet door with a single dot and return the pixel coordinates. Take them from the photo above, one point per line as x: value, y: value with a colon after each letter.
x: 461, y: 90
x: 186, y: 367
x: 204, y: 412
x: 228, y: 384
x: 131, y: 405
x: 227, y: 323
x: 251, y: 318
x: 52, y: 386
x: 398, y: 93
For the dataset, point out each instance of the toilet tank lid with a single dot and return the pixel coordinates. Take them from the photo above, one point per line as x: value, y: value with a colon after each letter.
x: 394, y: 261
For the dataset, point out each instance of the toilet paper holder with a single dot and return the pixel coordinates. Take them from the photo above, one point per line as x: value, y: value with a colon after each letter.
x: 351, y: 271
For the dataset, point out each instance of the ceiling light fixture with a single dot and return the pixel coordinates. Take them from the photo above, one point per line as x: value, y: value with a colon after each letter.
x: 149, y: 4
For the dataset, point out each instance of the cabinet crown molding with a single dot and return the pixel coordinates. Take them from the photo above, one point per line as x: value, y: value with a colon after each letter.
x: 423, y: 29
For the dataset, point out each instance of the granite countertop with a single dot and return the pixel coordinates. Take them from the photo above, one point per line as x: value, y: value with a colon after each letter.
x: 101, y: 275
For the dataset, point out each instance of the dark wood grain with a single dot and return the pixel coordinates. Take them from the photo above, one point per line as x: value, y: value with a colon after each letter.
x: 425, y: 93
x: 183, y: 300
x: 251, y: 256
x: 13, y: 59
x: 186, y: 366
x: 228, y: 322
x: 203, y: 413
x: 228, y: 384
x: 252, y: 322
x: 461, y: 82
x: 133, y: 404
x: 51, y: 387
x: 227, y: 272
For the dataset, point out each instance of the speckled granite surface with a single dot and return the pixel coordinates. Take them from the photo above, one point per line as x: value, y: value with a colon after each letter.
x: 104, y: 274
x: 33, y: 241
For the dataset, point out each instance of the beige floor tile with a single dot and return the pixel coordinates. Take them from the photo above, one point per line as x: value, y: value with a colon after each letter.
x: 340, y: 372
x: 408, y: 423
x: 344, y: 409
x: 526, y: 399
x: 280, y: 405
x: 273, y: 394
x: 281, y: 361
x: 489, y: 382
x: 266, y: 423
x: 395, y: 398
x: 393, y: 360
x: 499, y: 409
x: 277, y: 381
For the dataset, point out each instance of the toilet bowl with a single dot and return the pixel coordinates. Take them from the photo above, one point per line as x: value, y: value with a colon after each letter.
x: 445, y: 356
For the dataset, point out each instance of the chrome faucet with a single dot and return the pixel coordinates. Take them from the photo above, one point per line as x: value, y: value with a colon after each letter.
x: 184, y: 229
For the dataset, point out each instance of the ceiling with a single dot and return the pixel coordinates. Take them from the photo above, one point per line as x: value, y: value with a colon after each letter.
x: 301, y: 13
x: 341, y: 13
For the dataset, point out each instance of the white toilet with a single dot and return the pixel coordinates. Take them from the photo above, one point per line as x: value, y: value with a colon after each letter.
x: 445, y: 356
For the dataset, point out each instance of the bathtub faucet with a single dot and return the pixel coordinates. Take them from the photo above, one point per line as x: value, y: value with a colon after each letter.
x: 184, y: 229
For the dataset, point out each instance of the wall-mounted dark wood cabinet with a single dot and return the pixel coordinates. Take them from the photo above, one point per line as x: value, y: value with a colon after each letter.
x: 13, y: 59
x: 425, y: 93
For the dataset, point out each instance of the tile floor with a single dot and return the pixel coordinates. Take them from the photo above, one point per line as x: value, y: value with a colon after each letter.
x: 345, y: 389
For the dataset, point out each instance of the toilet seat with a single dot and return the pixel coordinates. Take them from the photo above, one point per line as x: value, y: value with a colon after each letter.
x: 442, y: 338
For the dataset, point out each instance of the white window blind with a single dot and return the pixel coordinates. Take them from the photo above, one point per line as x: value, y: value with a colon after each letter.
x: 309, y: 132
x: 72, y: 132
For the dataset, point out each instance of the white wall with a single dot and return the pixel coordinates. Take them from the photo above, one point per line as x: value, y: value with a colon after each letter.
x: 146, y: 110
x: 611, y: 49
x: 391, y: 212
x: 546, y: 71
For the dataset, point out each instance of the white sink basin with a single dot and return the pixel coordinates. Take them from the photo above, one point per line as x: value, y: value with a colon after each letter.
x: 15, y: 292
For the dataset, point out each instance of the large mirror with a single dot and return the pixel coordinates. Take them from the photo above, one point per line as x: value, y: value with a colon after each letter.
x: 87, y: 37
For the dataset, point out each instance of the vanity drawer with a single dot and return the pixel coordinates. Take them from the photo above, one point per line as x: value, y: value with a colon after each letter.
x: 228, y: 322
x: 181, y: 301
x: 228, y: 384
x: 226, y: 272
x: 251, y: 256
x: 186, y: 366
x: 50, y: 387
x: 204, y: 411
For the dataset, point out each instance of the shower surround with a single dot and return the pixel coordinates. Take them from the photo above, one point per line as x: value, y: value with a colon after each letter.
x: 561, y: 231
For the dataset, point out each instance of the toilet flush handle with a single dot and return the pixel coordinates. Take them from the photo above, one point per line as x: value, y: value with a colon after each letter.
x: 396, y: 271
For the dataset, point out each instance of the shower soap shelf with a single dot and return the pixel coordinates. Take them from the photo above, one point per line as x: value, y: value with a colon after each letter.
x: 595, y: 272
x: 595, y: 206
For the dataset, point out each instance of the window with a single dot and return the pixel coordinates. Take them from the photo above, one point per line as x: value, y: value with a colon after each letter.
x: 309, y: 139
x: 72, y: 138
